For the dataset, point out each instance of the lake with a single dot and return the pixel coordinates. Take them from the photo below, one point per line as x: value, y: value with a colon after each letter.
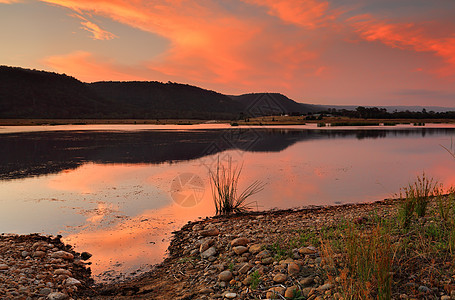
x: 118, y: 191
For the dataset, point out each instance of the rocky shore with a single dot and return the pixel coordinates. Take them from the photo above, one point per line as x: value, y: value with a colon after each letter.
x: 263, y: 255
x: 40, y: 267
x: 244, y: 257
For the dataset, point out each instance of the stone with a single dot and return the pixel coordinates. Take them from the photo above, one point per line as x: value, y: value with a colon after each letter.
x: 63, y: 255
x: 24, y: 254
x: 280, y: 278
x: 245, y: 268
x: 70, y: 281
x: 239, y: 250
x: 247, y: 281
x: 256, y: 248
x: 325, y: 287
x: 57, y: 296
x: 39, y: 254
x: 209, y: 252
x: 85, y: 255
x: 62, y: 272
x: 3, y: 267
x: 241, y: 241
x: 307, y: 281
x: 230, y: 295
x: 210, y: 232
x: 293, y: 268
x: 45, y: 291
x: 225, y: 276
x: 445, y: 297
x: 307, y: 250
x: 291, y: 292
x: 275, y: 292
x: 206, y: 291
x: 205, y: 245
x: 423, y: 289
x: 267, y: 261
x: 263, y: 254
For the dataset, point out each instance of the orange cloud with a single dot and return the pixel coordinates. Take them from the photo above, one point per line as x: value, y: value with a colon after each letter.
x: 9, y: 1
x: 306, y: 13
x: 407, y: 36
x: 208, y: 44
x: 88, y: 67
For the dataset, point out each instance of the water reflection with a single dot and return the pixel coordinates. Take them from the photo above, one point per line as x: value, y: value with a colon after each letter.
x: 26, y: 154
x: 110, y: 193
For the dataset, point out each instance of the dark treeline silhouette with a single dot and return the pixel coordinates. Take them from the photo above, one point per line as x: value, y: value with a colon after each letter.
x: 36, y: 94
x: 382, y: 113
x: 39, y: 153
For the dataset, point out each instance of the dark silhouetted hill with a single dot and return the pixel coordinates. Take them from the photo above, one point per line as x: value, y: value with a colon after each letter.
x: 36, y: 94
x: 259, y: 104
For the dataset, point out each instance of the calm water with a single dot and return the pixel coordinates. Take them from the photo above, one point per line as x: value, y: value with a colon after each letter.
x: 119, y: 191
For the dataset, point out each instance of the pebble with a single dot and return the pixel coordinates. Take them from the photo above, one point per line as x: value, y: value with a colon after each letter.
x: 230, y: 295
x: 423, y: 289
x: 28, y: 271
x: 63, y: 255
x: 209, y: 252
x: 280, y: 278
x: 239, y: 250
x: 210, y: 232
x: 241, y: 241
x: 225, y: 276
x: 57, y: 296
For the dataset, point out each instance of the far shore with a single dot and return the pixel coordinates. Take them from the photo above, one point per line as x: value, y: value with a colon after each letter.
x: 267, y: 120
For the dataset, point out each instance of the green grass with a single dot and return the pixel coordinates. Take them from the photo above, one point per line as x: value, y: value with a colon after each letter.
x: 374, y: 259
x: 255, y: 280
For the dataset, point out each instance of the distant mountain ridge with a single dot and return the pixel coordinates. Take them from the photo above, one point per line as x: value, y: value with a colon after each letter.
x: 26, y: 93
x: 33, y: 94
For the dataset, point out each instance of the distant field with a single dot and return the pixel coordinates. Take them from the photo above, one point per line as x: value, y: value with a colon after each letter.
x: 300, y: 120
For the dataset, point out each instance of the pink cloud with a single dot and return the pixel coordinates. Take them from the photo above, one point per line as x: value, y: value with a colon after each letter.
x: 306, y: 13
x: 407, y: 36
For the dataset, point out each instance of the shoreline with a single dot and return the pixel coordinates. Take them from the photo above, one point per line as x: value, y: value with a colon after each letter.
x: 258, y: 121
x: 268, y: 255
x: 178, y: 276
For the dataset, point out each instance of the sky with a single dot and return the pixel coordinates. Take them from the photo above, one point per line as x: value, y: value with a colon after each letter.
x: 343, y: 52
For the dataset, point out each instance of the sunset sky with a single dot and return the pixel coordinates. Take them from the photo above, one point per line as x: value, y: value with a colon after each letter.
x: 359, y: 52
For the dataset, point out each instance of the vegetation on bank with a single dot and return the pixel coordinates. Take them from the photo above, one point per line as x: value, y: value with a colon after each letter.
x: 408, y: 251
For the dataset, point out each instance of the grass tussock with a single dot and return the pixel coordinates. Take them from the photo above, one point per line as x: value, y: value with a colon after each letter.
x: 416, y: 198
x: 395, y: 251
x: 224, y: 181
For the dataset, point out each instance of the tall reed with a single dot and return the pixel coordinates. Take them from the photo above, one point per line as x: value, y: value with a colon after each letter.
x: 224, y: 182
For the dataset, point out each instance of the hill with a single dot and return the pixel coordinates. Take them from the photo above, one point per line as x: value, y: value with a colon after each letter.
x: 260, y: 104
x: 37, y: 94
